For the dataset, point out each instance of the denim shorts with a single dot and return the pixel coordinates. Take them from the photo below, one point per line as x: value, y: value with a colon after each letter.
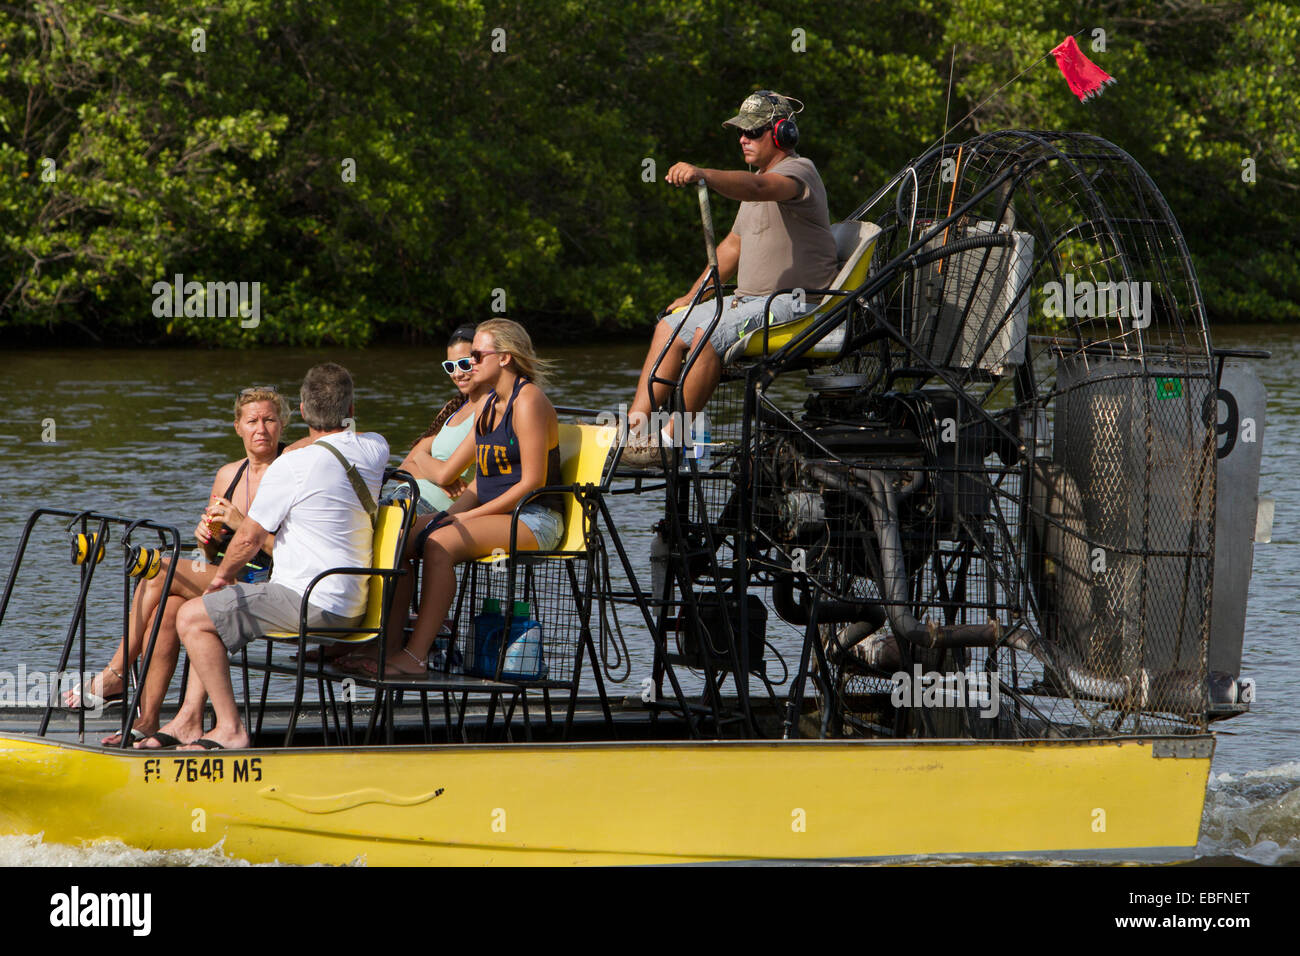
x: 740, y: 315
x: 546, y: 525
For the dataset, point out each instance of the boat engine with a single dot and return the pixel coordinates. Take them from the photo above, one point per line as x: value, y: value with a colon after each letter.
x: 1011, y: 459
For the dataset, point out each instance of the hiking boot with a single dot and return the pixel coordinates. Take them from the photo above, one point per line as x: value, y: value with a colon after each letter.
x: 642, y: 454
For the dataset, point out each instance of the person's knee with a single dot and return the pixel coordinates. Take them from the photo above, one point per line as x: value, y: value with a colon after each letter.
x: 192, y: 616
x: 667, y: 338
x: 153, y: 587
x: 439, y: 553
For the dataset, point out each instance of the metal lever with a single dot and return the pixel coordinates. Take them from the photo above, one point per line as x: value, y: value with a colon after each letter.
x: 706, y: 216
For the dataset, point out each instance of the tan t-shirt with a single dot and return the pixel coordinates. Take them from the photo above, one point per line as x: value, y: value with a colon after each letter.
x: 786, y: 245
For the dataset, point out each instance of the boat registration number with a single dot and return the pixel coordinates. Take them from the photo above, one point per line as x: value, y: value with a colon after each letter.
x: 204, y: 769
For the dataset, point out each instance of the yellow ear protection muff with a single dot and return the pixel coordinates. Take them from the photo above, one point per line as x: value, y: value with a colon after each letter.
x: 83, y: 545
x: 785, y: 133
x: 144, y: 562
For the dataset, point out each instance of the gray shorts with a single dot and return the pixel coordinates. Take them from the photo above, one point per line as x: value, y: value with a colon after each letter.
x: 243, y: 612
x: 740, y: 314
x: 546, y: 525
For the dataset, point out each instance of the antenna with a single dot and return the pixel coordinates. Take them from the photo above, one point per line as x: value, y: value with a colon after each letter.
x: 952, y: 62
x: 944, y: 137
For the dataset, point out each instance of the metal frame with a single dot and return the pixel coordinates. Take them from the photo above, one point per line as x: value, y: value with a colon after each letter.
x: 76, y: 629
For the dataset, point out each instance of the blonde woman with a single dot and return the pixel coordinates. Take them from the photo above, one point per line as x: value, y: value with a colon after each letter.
x: 260, y: 416
x: 517, y: 440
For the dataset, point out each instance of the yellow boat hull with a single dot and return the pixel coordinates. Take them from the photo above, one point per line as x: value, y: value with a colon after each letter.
x: 618, y: 803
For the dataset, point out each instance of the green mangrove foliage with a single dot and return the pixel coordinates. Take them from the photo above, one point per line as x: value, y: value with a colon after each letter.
x: 390, y: 169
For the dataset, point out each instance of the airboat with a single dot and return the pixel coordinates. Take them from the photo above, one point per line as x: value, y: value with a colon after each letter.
x: 1009, y: 523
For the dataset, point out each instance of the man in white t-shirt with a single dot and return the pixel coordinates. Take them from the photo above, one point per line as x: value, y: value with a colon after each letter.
x: 781, y: 239
x: 320, y: 520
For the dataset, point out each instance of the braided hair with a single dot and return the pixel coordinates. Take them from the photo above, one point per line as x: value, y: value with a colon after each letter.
x: 444, y: 414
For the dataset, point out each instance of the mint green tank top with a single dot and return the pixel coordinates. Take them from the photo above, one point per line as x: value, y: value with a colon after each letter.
x: 444, y: 443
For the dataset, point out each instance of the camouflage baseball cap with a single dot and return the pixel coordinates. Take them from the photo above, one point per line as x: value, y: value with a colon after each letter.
x: 761, y: 108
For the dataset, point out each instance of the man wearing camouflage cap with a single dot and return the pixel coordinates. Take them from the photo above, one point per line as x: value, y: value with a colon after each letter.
x: 781, y: 239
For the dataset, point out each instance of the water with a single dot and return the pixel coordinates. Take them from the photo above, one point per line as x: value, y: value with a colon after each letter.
x: 33, y: 851
x: 142, y: 432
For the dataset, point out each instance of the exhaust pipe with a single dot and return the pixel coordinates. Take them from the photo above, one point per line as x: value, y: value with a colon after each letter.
x: 882, y: 504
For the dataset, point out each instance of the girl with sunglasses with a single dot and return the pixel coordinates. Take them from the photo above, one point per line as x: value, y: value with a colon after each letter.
x: 442, y: 460
x: 517, y: 437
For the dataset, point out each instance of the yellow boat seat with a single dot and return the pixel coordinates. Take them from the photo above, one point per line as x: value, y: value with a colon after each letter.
x: 583, y: 452
x: 552, y: 582
x: 854, y: 243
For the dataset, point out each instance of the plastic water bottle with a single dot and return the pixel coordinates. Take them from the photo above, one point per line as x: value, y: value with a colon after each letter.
x: 524, y: 646
x: 487, y: 626
x: 702, y: 440
x: 697, y: 444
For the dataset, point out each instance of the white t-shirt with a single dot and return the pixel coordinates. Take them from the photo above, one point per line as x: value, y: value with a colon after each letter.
x: 306, y: 499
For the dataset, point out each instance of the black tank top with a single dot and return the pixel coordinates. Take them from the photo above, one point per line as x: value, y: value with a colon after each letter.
x: 498, y: 455
x: 261, y: 560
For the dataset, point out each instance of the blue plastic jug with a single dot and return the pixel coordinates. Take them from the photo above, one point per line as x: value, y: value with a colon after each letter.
x: 523, y: 652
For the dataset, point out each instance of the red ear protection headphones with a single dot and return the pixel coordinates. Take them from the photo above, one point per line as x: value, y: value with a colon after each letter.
x: 785, y: 133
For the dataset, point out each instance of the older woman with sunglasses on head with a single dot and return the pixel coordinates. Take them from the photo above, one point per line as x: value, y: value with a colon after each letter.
x: 517, y: 437
x: 261, y: 413
x: 442, y: 460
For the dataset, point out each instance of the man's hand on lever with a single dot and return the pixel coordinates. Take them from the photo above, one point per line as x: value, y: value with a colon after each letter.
x: 684, y: 174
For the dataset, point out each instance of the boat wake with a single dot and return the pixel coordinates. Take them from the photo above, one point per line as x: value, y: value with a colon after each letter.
x: 1253, y: 817
x: 34, y: 851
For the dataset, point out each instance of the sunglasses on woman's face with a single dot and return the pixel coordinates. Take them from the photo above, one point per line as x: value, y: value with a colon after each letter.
x: 477, y: 354
x: 452, y: 366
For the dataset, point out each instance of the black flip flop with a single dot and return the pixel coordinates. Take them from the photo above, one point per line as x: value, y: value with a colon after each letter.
x: 207, y: 744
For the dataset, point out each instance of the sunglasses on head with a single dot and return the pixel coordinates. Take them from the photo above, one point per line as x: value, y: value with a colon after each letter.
x: 253, y: 390
x: 452, y: 366
x: 755, y: 133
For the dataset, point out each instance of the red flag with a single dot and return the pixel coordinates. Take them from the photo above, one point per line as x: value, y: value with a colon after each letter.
x: 1086, y: 78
